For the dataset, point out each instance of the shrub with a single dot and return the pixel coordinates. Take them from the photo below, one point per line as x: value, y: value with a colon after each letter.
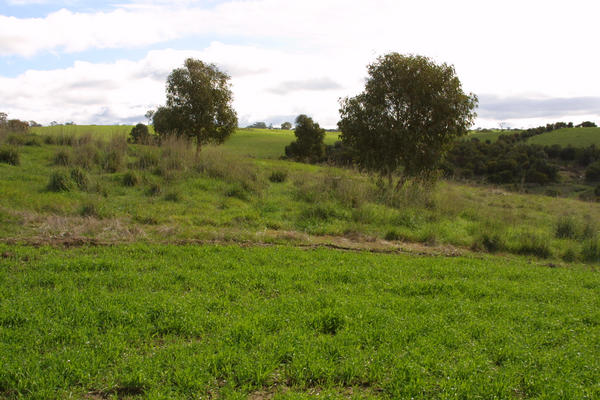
x: 148, y: 159
x: 531, y: 243
x: 173, y: 195
x: 309, y: 141
x: 566, y: 228
x: 60, y: 182
x: 112, y: 161
x: 9, y: 155
x: 154, y: 189
x: 393, y: 235
x: 90, y: 209
x: 139, y: 134
x: 237, y: 191
x: 590, y: 250
x: 131, y: 179
x: 62, y: 158
x: 86, y: 155
x: 491, y: 242
x: 592, y: 172
x: 569, y: 255
x: 278, y: 176
x: 80, y: 177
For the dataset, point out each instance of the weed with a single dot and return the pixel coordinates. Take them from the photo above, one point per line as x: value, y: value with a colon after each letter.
x: 590, y: 250
x: 80, y: 178
x: 154, y: 189
x: 278, y: 176
x: 131, y: 179
x: 328, y: 322
x: 566, y: 228
x: 237, y: 191
x: 60, y: 182
x: 9, y: 155
x: 173, y: 195
x: 532, y: 243
x: 62, y: 158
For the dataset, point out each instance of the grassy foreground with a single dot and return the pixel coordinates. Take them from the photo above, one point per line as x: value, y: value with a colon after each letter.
x: 228, y: 322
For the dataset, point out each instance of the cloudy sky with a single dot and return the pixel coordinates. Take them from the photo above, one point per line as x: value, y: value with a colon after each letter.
x: 529, y: 61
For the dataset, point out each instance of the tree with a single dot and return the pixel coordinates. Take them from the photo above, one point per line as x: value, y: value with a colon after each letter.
x: 258, y: 125
x: 3, y: 117
x: 286, y: 126
x: 198, y: 104
x: 587, y: 124
x: 309, y: 140
x: 139, y: 134
x: 407, y: 117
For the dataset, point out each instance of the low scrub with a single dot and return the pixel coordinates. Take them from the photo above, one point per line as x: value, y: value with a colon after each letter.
x: 566, y: 228
x: 60, y: 182
x: 214, y: 163
x: 532, y: 243
x: 131, y: 179
x: 590, y: 251
x: 278, y: 176
x: 62, y: 158
x: 80, y: 177
x: 9, y: 155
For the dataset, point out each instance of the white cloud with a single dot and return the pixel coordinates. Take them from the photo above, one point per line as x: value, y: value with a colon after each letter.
x: 511, y: 48
x: 124, y: 90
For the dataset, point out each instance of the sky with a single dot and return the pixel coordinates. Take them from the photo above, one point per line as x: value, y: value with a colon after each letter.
x: 530, y: 62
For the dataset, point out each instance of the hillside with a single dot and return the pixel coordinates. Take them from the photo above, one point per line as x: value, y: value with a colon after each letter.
x: 576, y: 137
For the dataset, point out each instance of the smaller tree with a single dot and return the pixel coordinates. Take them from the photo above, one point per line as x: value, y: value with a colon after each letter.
x: 587, y: 124
x: 258, y: 125
x: 286, y: 126
x: 309, y: 141
x: 139, y: 134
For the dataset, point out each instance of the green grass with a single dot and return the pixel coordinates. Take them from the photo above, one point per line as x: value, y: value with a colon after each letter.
x: 576, y: 137
x: 228, y: 322
x: 222, y: 195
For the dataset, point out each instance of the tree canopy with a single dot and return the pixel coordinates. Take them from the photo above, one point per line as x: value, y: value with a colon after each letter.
x: 198, y: 104
x: 409, y: 114
x: 309, y: 140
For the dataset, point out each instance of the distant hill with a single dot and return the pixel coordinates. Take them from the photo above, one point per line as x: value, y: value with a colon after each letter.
x: 576, y: 137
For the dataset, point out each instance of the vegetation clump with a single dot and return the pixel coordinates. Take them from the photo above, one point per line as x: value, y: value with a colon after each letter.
x: 139, y: 134
x: 131, y: 179
x: 60, y: 182
x: 309, y: 141
x: 80, y: 177
x: 62, y: 158
x: 278, y: 176
x: 9, y: 155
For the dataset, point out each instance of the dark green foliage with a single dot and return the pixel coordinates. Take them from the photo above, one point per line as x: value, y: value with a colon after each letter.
x: 586, y: 124
x: 9, y: 155
x: 491, y: 242
x: 278, y: 176
x: 566, y: 228
x: 393, y: 235
x: 592, y: 173
x: 80, y: 177
x: 237, y: 190
x: 500, y: 162
x: 131, y: 179
x: 590, y: 250
x: 112, y: 161
x: 286, y: 126
x: 173, y: 195
x: 62, y: 158
x: 597, y: 190
x: 329, y: 322
x: 154, y: 189
x: 139, y: 134
x: 408, y: 116
x: 569, y: 255
x: 60, y: 182
x: 258, y: 125
x: 531, y: 243
x: 309, y: 141
x: 90, y: 209
x: 198, y: 104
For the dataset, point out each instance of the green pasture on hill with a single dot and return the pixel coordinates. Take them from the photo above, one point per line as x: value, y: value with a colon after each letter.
x: 576, y: 137
x: 164, y: 322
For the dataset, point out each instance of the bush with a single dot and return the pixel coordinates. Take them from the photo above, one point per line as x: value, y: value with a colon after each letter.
x: 491, y: 242
x: 173, y: 195
x: 237, y: 191
x: 80, y: 177
x: 154, y: 189
x: 592, y: 172
x: 60, y: 182
x: 590, y: 251
x: 393, y: 235
x: 566, y: 228
x: 309, y: 141
x: 530, y: 243
x: 278, y: 176
x: 139, y: 134
x: 9, y: 155
x: 131, y: 179
x: 62, y: 158
x: 148, y: 159
x: 112, y: 161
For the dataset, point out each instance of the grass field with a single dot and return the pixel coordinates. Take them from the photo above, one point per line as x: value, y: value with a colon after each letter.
x: 157, y: 322
x: 576, y: 137
x: 222, y: 195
